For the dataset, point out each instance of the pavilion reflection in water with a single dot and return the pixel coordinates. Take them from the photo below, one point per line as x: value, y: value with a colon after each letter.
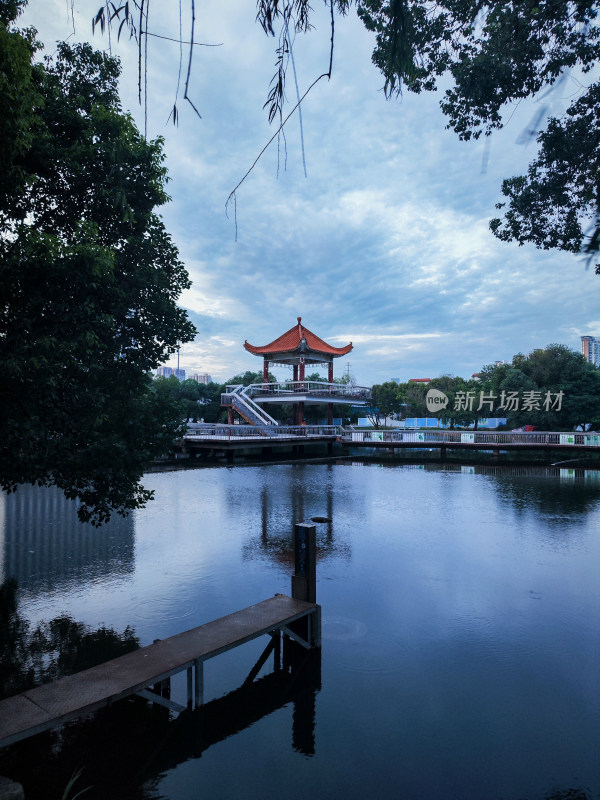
x: 44, y: 545
x: 283, y: 504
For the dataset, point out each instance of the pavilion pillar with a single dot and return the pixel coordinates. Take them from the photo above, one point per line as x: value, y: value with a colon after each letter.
x: 230, y: 415
x: 302, y: 368
x: 300, y: 413
x: 266, y: 371
x: 330, y: 405
x: 295, y: 406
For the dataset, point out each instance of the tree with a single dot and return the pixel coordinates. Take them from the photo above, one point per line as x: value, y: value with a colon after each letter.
x: 385, y: 401
x: 544, y: 376
x: 492, y: 54
x: 457, y: 413
x: 89, y: 280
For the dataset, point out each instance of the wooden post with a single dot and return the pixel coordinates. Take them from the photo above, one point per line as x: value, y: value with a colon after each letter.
x: 199, y: 683
x: 304, y: 580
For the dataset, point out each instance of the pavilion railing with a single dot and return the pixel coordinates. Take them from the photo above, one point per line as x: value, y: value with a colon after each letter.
x: 314, y: 388
x: 202, y: 430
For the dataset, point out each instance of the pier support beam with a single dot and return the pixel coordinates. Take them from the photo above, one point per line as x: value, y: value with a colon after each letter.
x: 306, y: 631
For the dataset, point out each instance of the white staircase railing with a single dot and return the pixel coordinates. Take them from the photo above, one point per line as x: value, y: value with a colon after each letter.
x: 245, y: 406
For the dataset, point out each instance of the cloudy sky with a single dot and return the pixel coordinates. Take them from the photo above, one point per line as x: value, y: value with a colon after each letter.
x: 384, y: 242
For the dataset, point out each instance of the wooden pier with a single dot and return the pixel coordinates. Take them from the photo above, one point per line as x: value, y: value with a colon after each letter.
x: 50, y: 705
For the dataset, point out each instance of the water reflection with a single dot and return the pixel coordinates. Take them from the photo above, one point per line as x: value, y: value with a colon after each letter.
x: 44, y: 546
x: 561, y: 497
x: 461, y: 655
x: 300, y: 498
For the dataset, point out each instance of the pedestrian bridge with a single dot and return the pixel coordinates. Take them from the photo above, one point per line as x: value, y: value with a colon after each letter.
x: 248, y: 401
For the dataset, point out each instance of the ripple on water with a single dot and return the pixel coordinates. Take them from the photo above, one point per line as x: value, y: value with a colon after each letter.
x: 342, y: 628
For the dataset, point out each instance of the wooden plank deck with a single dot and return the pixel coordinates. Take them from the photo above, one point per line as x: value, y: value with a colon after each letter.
x: 76, y: 695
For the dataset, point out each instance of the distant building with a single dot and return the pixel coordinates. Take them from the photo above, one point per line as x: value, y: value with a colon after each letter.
x: 167, y: 372
x: 590, y: 349
x: 419, y: 380
x: 201, y: 377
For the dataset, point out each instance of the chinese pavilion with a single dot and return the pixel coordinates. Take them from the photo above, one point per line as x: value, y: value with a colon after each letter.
x: 298, y: 348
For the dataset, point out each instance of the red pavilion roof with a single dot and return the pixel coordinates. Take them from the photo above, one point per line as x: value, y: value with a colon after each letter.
x: 300, y: 339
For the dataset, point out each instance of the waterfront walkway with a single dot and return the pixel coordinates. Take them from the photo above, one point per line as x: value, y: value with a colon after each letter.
x: 214, y: 439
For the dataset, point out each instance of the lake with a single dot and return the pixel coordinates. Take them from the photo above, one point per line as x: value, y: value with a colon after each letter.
x: 461, y: 632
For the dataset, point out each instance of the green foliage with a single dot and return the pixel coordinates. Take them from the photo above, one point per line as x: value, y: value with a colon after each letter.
x: 191, y: 400
x: 247, y: 378
x: 557, y: 204
x: 554, y: 369
x: 385, y: 401
x: 456, y: 414
x: 89, y: 280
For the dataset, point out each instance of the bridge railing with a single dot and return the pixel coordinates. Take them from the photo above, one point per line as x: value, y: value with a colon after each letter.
x: 476, y: 437
x: 203, y: 430
x: 315, y: 388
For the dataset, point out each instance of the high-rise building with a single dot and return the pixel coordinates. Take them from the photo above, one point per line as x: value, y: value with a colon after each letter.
x: 201, y: 377
x: 590, y: 349
x: 167, y: 372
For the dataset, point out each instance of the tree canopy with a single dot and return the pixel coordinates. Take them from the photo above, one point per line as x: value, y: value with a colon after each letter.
x: 556, y: 370
x: 89, y: 280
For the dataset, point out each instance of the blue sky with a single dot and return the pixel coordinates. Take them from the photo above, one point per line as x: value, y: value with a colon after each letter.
x: 385, y: 242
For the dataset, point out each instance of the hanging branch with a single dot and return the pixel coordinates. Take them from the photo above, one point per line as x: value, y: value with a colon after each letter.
x: 146, y: 71
x: 139, y: 31
x: 174, y: 113
x: 233, y: 193
x: 189, y: 69
x: 297, y: 97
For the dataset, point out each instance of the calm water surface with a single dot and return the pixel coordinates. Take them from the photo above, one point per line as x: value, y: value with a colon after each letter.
x: 461, y: 620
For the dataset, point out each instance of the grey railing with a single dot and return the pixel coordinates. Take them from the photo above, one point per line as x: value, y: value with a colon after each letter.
x: 206, y: 431
x: 560, y: 439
